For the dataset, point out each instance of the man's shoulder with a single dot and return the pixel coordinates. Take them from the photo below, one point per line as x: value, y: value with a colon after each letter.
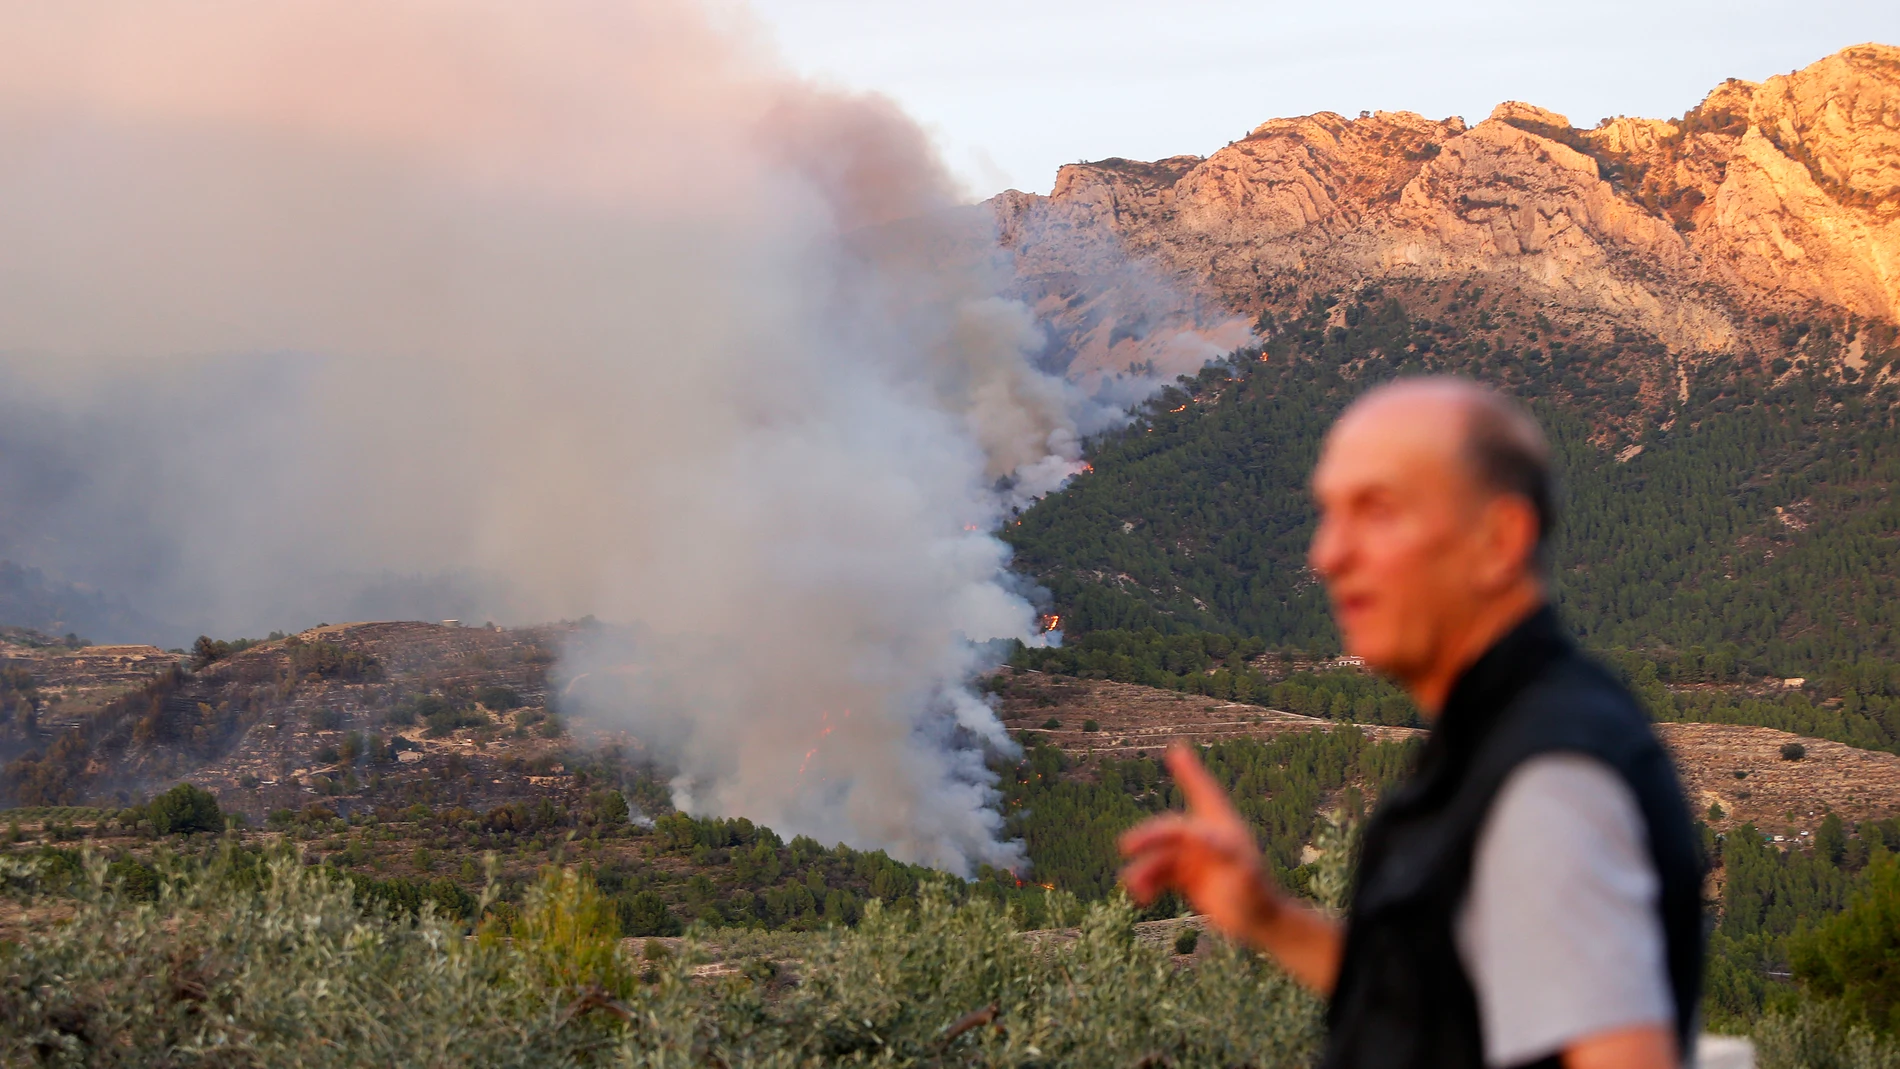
x: 1575, y: 703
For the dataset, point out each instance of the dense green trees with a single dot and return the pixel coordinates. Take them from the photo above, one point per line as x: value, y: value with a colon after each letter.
x: 1821, y: 921
x: 1767, y: 890
x: 1854, y: 955
x: 1753, y: 534
x: 1070, y: 821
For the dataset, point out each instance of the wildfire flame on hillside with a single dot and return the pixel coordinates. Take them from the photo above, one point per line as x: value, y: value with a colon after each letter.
x: 825, y: 725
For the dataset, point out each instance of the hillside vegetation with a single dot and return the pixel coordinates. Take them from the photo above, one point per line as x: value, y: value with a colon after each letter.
x: 1744, y: 532
x: 256, y: 960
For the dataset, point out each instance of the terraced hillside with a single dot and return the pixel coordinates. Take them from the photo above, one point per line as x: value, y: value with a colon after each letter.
x: 366, y: 714
x: 1738, y: 769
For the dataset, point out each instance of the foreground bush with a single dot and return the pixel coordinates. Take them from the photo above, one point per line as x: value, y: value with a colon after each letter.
x: 1820, y: 1035
x: 284, y: 968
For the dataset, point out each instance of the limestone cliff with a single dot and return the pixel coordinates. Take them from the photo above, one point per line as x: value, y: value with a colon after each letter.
x: 1766, y: 202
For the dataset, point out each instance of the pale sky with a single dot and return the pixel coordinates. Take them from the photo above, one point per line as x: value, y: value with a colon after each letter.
x: 1014, y: 88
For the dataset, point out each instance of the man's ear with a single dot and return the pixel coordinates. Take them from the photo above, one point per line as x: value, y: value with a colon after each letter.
x: 1510, y: 537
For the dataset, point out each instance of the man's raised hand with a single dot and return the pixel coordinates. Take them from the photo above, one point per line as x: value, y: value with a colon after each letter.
x: 1207, y: 854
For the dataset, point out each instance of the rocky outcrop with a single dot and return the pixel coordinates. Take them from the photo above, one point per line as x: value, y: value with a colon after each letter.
x: 1782, y: 196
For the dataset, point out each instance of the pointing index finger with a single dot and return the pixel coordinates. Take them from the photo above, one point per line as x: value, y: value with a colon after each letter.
x: 1205, y: 795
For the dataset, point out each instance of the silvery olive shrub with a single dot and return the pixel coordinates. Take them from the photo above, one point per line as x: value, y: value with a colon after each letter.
x: 247, y: 962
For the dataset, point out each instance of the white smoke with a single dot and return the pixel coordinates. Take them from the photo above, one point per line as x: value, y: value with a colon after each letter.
x: 532, y: 311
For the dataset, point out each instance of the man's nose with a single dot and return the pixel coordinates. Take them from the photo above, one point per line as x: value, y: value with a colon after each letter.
x: 1327, y: 553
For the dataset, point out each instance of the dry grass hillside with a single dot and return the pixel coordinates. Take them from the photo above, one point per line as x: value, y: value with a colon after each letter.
x: 1741, y: 769
x: 1132, y: 720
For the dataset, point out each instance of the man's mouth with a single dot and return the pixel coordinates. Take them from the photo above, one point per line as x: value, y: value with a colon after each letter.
x: 1352, y: 604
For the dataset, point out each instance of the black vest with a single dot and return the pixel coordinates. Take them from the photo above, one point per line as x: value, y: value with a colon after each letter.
x: 1403, y: 998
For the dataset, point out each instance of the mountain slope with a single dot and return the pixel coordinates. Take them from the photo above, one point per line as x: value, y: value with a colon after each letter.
x: 1761, y: 520
x: 1765, y: 202
x: 1733, y: 532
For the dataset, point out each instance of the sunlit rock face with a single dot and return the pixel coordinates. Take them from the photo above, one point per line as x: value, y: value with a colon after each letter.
x: 1766, y: 197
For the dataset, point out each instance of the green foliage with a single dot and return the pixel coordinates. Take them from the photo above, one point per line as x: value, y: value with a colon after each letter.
x: 1185, y: 942
x: 289, y: 971
x: 448, y: 721
x: 402, y: 895
x: 1337, y: 840
x: 608, y: 807
x: 1148, y: 657
x: 1070, y: 823
x: 1343, y: 694
x: 570, y: 935
x: 136, y: 881
x: 1754, y: 536
x: 1867, y: 713
x: 498, y: 698
x: 1854, y: 955
x: 1220, y: 667
x: 444, y: 714
x: 208, y: 651
x: 1767, y: 894
x: 183, y: 809
x: 330, y: 661
x: 1820, y: 1035
x: 899, y: 986
x: 287, y: 968
x: 645, y: 913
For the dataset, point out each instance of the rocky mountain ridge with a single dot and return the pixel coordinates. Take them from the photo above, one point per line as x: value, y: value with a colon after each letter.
x: 1765, y: 205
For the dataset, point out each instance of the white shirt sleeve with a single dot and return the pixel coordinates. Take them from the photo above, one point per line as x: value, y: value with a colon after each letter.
x: 1560, y: 931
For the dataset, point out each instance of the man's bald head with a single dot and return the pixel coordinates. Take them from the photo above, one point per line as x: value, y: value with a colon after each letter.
x: 1502, y: 448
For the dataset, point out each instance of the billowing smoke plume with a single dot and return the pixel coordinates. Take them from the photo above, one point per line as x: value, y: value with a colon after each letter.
x: 523, y: 312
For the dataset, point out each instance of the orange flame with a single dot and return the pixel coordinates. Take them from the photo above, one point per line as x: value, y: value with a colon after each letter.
x: 1051, y: 622
x: 1183, y: 408
x: 824, y: 720
x: 1087, y: 469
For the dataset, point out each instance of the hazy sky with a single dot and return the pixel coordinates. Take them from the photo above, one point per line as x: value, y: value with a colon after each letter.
x: 1015, y: 88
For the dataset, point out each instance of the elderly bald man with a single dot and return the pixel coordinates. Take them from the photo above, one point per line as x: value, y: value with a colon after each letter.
x: 1532, y: 894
